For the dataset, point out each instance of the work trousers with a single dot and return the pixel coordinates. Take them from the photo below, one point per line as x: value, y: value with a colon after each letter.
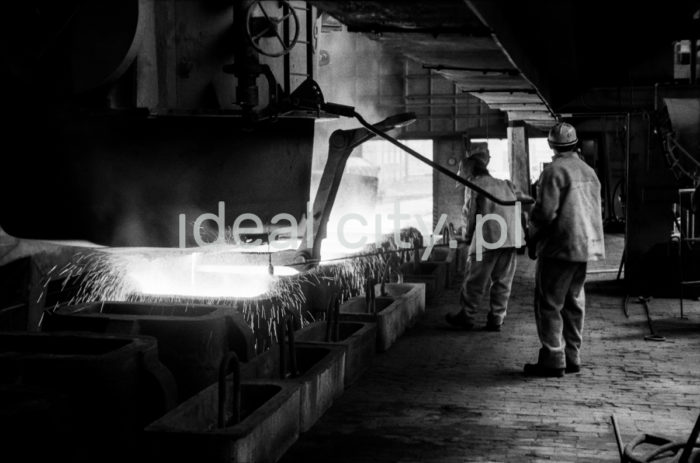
x: 496, y: 269
x: 560, y: 307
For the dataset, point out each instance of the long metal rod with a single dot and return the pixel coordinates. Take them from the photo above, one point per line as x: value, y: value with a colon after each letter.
x: 644, y: 302
x: 692, y: 439
x: 440, y: 67
x: 680, y: 249
x: 447, y: 96
x: 310, y: 41
x: 286, y: 60
x: 438, y: 167
x: 529, y: 91
x: 618, y: 439
x: 652, y: 336
x: 626, y: 186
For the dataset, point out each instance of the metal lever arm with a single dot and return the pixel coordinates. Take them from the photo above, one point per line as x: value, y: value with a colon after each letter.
x: 438, y: 167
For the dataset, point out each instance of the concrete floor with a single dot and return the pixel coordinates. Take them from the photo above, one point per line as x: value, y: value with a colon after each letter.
x: 440, y: 395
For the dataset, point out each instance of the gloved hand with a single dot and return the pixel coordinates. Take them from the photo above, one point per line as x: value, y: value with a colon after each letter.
x: 530, y: 240
x: 532, y: 250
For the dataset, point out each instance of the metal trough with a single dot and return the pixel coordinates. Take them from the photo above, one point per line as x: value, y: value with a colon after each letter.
x: 192, y: 339
x: 320, y: 375
x: 433, y: 274
x: 412, y: 295
x: 392, y: 317
x: 396, y: 309
x: 84, y: 392
x: 269, y: 425
x: 358, y: 338
x: 447, y: 257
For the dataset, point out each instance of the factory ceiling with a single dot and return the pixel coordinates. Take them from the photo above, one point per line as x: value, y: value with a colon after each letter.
x: 532, y: 59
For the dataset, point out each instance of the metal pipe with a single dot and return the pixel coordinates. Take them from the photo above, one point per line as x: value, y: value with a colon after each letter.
x: 628, y: 140
x: 692, y: 439
x: 422, y: 104
x: 497, y: 118
x: 440, y: 67
x: 443, y: 96
x: 229, y: 359
x: 466, y: 93
x: 500, y: 90
x: 618, y: 439
x: 652, y: 336
x: 333, y: 318
x: 283, y: 354
x: 385, y: 274
x: 656, y: 96
x: 370, y: 296
x: 309, y: 12
x: 599, y: 114
x: 336, y: 319
x: 438, y: 167
x: 292, y: 347
x: 416, y: 256
x: 287, y: 59
x: 329, y: 317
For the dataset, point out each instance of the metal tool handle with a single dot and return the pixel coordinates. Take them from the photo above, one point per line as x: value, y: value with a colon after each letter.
x: 618, y: 439
x: 438, y: 167
x: 230, y: 359
x: 286, y: 337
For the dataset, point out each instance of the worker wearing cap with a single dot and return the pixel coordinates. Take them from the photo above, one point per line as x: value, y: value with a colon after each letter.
x: 491, y: 268
x: 481, y: 154
x: 566, y: 231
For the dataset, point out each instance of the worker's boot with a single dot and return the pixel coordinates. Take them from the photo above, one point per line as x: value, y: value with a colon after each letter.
x: 459, y: 320
x: 572, y: 368
x: 493, y: 324
x: 536, y: 369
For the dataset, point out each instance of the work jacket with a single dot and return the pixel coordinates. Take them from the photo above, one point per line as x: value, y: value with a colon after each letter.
x: 566, y: 220
x: 492, y: 230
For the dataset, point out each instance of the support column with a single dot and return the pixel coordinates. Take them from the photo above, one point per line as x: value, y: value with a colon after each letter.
x: 519, y: 156
x: 448, y: 196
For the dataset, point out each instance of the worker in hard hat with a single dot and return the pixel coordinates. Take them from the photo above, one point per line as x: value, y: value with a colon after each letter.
x: 566, y: 231
x: 494, y: 232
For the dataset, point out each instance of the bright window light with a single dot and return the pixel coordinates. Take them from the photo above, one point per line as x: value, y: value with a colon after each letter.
x: 540, y: 154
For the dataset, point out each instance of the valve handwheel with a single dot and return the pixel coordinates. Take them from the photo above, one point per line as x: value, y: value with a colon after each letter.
x: 266, y: 26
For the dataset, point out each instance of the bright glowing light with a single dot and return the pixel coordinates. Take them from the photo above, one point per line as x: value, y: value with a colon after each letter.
x: 279, y: 270
x: 347, y: 237
x: 201, y: 274
x: 210, y: 281
x: 332, y: 248
x: 277, y: 246
x: 177, y: 276
x: 354, y: 237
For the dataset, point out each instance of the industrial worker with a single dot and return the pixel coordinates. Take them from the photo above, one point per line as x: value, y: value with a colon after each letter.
x: 566, y: 231
x: 482, y: 154
x: 489, y: 268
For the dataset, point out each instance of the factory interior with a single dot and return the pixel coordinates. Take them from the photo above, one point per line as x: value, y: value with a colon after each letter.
x: 234, y: 231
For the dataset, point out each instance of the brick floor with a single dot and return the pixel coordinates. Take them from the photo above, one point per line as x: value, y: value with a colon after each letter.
x: 440, y: 395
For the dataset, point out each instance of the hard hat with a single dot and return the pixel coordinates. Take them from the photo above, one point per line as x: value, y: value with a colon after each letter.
x: 562, y: 135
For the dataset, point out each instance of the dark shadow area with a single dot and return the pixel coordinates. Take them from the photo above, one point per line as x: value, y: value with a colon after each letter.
x: 609, y: 288
x: 677, y: 326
